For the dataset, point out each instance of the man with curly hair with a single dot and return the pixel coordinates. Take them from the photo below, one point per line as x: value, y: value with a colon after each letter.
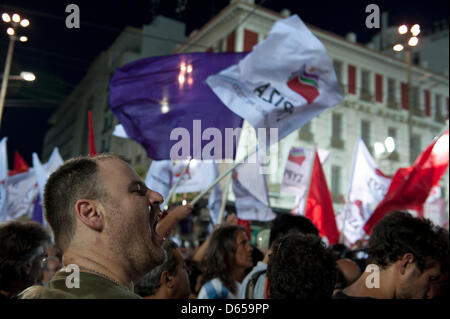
x: 300, y: 267
x: 406, y: 255
x: 22, y: 250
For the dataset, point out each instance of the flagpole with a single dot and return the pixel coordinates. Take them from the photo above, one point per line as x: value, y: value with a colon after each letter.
x: 218, y: 179
x: 309, y: 180
x: 224, y: 199
x: 174, y: 187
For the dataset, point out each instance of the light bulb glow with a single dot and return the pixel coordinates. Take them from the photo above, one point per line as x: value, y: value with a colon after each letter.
x: 398, y: 47
x: 379, y: 148
x: 389, y: 143
x: 25, y: 23
x: 10, y: 31
x: 23, y: 38
x: 16, y: 17
x: 6, y: 18
x: 413, y: 41
x: 402, y: 29
x: 27, y: 76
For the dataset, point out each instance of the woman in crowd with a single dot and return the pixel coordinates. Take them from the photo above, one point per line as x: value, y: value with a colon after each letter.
x: 227, y: 257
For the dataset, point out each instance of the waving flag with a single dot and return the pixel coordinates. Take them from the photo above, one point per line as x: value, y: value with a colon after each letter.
x: 20, y: 165
x: 3, y: 177
x: 297, y: 171
x: 411, y: 186
x: 22, y: 190
x: 157, y: 100
x: 319, y: 206
x: 283, y: 83
x: 368, y: 185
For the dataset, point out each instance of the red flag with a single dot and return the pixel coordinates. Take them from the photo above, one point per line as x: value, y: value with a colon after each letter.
x: 20, y: 166
x: 92, y: 150
x: 319, y: 206
x: 411, y: 186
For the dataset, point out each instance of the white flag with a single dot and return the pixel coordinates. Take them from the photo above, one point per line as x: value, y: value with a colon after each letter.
x: 159, y: 177
x: 22, y: 189
x: 3, y: 178
x: 296, y: 172
x: 248, y: 207
x: 54, y: 162
x: 367, y: 188
x: 215, y: 199
x: 198, y: 175
x: 283, y: 83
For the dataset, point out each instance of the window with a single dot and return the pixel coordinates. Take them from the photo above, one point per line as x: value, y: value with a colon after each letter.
x: 391, y: 90
x: 338, y: 69
x: 365, y: 134
x: 437, y: 105
x: 392, y: 132
x: 415, y: 147
x: 305, y: 133
x: 365, y: 85
x: 335, y: 182
x: 336, y: 138
x: 415, y: 98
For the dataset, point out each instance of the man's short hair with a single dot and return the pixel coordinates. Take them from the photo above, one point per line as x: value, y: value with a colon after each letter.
x: 19, y: 244
x: 149, y: 284
x: 301, y: 267
x: 399, y: 233
x: 75, y: 179
x: 286, y: 223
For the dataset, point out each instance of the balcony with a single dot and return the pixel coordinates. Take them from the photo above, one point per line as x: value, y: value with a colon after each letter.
x: 440, y: 118
x: 416, y: 111
x: 337, y: 142
x: 365, y: 95
x: 393, y: 105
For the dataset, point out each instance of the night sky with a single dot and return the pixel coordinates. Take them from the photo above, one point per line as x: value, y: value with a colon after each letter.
x: 60, y: 57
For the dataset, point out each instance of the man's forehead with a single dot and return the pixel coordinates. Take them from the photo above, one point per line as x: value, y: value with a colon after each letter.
x: 117, y: 170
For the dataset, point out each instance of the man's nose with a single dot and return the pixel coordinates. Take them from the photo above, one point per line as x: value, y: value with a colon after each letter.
x: 154, y: 198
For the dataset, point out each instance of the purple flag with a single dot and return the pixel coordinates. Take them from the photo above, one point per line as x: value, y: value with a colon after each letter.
x: 153, y: 96
x: 38, y: 215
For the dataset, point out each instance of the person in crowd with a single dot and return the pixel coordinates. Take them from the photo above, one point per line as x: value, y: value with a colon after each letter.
x: 405, y: 256
x: 252, y: 286
x: 348, y: 272
x: 227, y: 257
x: 22, y: 249
x: 170, y: 280
x: 300, y: 267
x: 103, y: 218
x: 50, y: 266
x: 195, y: 278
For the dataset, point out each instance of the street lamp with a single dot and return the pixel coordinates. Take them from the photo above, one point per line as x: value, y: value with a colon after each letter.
x: 15, y: 22
x: 408, y: 42
x: 384, y: 150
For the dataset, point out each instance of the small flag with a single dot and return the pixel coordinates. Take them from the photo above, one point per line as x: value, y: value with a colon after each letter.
x: 319, y: 206
x: 20, y: 165
x: 411, y: 186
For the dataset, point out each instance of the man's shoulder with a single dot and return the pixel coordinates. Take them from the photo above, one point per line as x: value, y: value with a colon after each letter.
x: 86, y: 286
x: 341, y: 295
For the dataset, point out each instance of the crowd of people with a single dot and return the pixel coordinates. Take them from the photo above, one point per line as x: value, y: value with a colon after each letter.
x: 109, y: 240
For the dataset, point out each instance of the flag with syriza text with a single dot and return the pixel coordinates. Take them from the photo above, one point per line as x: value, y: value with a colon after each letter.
x: 367, y: 187
x: 411, y: 186
x: 319, y: 205
x: 285, y: 81
x: 157, y: 100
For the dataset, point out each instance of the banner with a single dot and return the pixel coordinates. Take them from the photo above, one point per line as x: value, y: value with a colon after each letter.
x: 283, y: 83
x: 367, y: 187
x: 165, y: 105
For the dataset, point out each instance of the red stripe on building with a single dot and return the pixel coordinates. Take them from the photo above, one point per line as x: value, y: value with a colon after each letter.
x: 427, y: 103
x: 379, y: 88
x: 351, y: 79
x: 231, y: 42
x: 250, y: 39
x: 404, y: 96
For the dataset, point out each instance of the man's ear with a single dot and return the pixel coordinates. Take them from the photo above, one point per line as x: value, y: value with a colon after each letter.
x: 167, y: 279
x: 267, y: 288
x: 406, y: 261
x: 89, y: 213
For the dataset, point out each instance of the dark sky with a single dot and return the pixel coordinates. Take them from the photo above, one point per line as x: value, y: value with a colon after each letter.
x: 60, y: 57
